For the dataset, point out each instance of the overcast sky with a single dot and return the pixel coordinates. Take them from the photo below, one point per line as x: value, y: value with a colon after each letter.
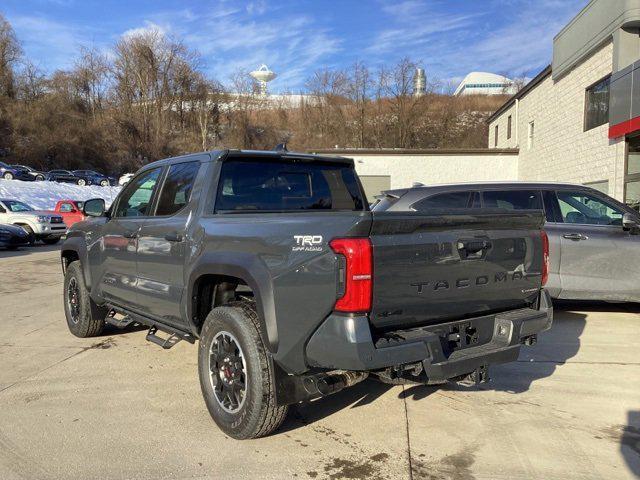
x: 449, y: 38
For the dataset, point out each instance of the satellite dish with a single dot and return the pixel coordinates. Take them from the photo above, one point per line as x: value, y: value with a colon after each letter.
x: 263, y: 75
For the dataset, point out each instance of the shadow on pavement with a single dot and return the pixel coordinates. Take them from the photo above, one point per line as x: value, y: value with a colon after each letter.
x: 630, y: 442
x: 22, y: 251
x: 363, y: 393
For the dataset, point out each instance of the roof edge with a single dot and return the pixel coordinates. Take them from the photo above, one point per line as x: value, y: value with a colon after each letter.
x: 414, y: 151
x: 526, y: 89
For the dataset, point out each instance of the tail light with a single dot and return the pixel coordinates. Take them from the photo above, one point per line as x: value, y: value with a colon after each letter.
x: 355, y: 274
x: 545, y: 257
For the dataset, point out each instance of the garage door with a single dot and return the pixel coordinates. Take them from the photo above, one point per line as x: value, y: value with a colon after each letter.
x: 374, y: 184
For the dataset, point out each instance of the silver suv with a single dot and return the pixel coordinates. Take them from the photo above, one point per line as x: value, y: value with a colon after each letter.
x: 594, y: 240
x: 39, y: 224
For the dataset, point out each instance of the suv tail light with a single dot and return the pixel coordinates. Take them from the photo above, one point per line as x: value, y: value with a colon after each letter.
x: 545, y: 257
x: 355, y: 274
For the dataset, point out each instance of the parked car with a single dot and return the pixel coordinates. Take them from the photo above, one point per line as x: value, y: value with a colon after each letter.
x: 96, y: 178
x: 32, y: 172
x: 11, y: 173
x: 66, y: 176
x: 12, y: 237
x: 124, y: 179
x: 294, y: 288
x: 70, y: 211
x: 594, y: 240
x: 40, y: 224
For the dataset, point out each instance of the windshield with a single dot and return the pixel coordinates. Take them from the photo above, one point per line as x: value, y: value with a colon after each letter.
x: 16, y: 206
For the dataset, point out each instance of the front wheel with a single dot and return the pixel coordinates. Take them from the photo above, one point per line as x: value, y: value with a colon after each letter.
x: 77, y: 305
x: 8, y: 176
x: 104, y: 183
x: 81, y: 182
x: 40, y: 178
x: 235, y: 379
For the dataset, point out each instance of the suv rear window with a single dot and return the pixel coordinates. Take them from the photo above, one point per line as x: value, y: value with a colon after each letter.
x: 449, y: 200
x: 513, y: 199
x: 254, y: 185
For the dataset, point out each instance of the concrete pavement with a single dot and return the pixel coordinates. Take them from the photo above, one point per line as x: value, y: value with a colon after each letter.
x: 119, y: 407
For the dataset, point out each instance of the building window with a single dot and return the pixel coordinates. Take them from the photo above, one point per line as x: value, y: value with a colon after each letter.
x: 531, y: 134
x: 495, y: 138
x: 508, y: 127
x: 596, y: 111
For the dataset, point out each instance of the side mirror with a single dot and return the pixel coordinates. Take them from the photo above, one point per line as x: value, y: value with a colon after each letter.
x: 94, y: 207
x: 629, y: 222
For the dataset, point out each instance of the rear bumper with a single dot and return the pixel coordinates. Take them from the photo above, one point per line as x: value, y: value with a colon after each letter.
x: 446, y: 350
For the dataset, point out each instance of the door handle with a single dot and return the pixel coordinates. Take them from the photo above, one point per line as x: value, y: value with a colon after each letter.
x: 575, y: 236
x: 173, y: 237
x: 130, y: 234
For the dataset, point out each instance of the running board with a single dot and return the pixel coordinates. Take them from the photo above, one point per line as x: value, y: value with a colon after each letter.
x: 165, y: 343
x: 174, y: 335
x: 123, y: 322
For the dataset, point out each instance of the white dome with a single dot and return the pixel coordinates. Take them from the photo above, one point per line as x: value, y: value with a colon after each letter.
x: 485, y: 83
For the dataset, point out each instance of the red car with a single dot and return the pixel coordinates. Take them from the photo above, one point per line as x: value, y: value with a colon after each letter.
x: 71, y: 211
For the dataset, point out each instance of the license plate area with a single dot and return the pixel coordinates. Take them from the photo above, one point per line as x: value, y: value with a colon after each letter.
x: 465, y: 334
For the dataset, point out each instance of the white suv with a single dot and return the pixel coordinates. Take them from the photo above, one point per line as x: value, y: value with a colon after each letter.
x: 40, y: 224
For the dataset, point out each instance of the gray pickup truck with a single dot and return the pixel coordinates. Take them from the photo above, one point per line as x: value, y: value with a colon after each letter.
x: 294, y: 289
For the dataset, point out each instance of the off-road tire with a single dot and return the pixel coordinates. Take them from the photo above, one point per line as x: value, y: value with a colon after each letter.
x: 86, y: 325
x: 258, y: 416
x: 51, y: 240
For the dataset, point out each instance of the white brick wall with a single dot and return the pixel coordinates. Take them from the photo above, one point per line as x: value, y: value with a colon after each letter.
x: 405, y: 169
x: 562, y: 150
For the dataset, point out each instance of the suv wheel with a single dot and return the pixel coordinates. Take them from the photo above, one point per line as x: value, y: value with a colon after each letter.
x: 235, y: 379
x: 8, y: 176
x: 77, y: 304
x: 81, y: 182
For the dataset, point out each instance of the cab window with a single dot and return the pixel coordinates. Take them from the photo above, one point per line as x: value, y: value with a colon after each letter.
x: 176, y: 190
x: 66, y: 208
x: 135, y: 200
x: 586, y: 209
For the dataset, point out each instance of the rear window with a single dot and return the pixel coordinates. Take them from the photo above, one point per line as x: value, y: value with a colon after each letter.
x: 450, y: 200
x: 513, y: 199
x: 247, y: 185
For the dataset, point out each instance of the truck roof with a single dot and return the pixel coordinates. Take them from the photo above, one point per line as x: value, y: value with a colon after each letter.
x: 214, y: 155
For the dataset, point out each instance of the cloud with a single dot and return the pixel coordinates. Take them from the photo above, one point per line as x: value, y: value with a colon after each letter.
x: 149, y: 27
x: 55, y: 44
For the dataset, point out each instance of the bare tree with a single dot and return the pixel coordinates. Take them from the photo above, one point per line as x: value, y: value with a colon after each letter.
x: 10, y: 52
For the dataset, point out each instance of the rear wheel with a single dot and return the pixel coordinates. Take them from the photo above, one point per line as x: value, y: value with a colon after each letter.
x: 235, y: 379
x: 104, y: 183
x: 81, y: 182
x: 77, y: 304
x: 39, y: 178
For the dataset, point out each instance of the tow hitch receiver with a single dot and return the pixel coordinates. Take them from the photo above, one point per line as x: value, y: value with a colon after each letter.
x: 475, y: 378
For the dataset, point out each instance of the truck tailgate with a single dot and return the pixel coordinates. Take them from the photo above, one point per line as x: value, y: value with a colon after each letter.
x: 431, y: 268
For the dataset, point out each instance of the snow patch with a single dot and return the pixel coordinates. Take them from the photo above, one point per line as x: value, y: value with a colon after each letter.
x: 45, y: 195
